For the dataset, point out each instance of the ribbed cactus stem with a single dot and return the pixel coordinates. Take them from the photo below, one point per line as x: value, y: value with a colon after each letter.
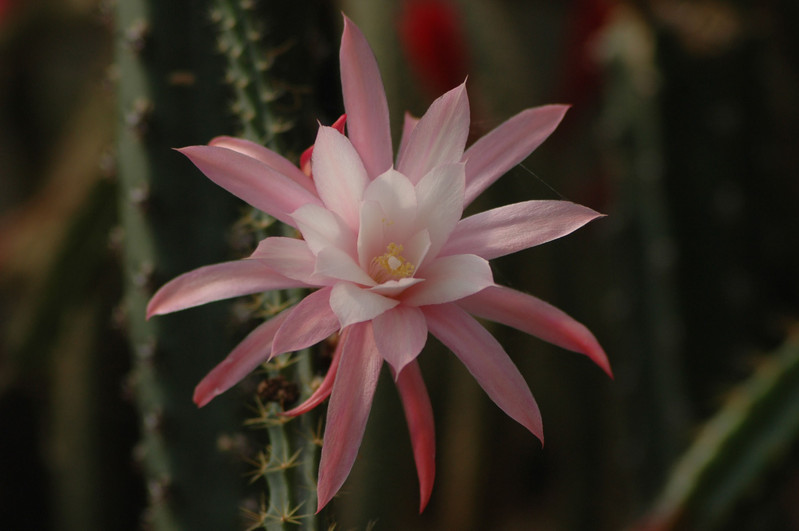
x: 288, y: 465
x: 756, y: 426
x: 172, y: 221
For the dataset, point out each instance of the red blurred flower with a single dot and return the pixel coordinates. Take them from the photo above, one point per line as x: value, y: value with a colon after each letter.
x: 432, y: 36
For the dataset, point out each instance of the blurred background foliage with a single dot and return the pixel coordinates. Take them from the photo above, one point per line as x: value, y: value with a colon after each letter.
x: 683, y: 130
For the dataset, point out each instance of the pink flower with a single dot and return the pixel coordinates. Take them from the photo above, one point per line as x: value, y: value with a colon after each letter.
x: 389, y: 257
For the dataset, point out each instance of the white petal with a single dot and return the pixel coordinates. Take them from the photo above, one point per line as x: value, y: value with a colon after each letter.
x: 448, y: 279
x: 288, y: 256
x: 440, y: 136
x: 416, y: 248
x: 339, y: 174
x: 392, y: 288
x: 354, y: 305
x: 322, y: 228
x: 440, y: 198
x: 334, y: 263
x: 371, y: 239
x: 397, y: 196
x: 408, y: 125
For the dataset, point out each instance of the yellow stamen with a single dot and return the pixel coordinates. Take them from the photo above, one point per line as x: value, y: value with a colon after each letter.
x: 391, y: 265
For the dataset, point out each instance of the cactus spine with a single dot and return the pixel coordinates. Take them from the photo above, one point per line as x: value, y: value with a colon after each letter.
x: 288, y: 464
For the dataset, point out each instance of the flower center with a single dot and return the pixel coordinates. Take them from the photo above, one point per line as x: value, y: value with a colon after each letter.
x: 391, y: 265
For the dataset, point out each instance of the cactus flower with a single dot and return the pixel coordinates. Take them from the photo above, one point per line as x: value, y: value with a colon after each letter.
x: 387, y: 258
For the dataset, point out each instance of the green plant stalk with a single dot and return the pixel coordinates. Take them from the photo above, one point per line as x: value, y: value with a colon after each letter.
x: 645, y: 247
x: 172, y: 221
x: 289, y: 464
x: 755, y: 427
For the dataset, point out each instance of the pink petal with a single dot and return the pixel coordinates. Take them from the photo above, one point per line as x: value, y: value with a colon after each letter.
x: 485, y: 359
x: 419, y: 416
x: 217, y: 282
x: 348, y: 411
x: 322, y: 228
x: 325, y: 388
x: 255, y: 349
x: 364, y: 101
x: 408, y: 126
x: 507, y: 145
x: 339, y: 174
x: 440, y: 198
x: 288, y: 256
x: 305, y: 158
x: 267, y: 156
x: 535, y: 317
x: 448, y: 279
x: 310, y: 322
x: 400, y: 335
x: 439, y: 137
x: 251, y: 180
x: 514, y: 227
x: 354, y: 305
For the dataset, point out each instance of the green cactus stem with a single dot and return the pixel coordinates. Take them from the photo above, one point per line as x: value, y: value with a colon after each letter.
x: 169, y: 96
x: 263, y: 104
x: 756, y: 426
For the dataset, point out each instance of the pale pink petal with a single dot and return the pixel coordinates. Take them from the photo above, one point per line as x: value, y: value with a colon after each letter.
x: 339, y: 174
x: 439, y: 137
x: 334, y: 263
x: 400, y: 335
x: 392, y: 288
x: 508, y: 145
x: 348, y: 410
x: 310, y: 322
x: 255, y: 349
x: 448, y: 279
x: 440, y: 199
x: 535, y: 317
x: 364, y: 101
x: 217, y: 282
x: 253, y: 181
x: 419, y: 416
x: 325, y: 388
x: 322, y: 228
x: 371, y: 239
x: 267, y: 156
x: 485, y: 359
x: 408, y: 125
x: 305, y: 158
x: 416, y: 249
x: 354, y: 305
x: 288, y: 256
x: 397, y: 197
x: 515, y: 227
